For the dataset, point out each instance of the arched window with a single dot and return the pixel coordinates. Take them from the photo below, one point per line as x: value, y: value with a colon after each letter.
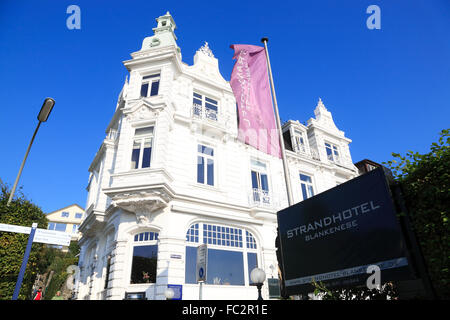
x: 232, y: 253
x: 145, y: 257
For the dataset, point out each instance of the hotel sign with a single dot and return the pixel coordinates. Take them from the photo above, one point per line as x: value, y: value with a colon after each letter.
x: 334, y: 236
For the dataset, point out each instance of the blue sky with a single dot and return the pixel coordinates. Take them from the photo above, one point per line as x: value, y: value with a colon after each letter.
x: 388, y: 89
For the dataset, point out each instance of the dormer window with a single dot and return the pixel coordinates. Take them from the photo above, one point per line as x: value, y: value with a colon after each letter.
x: 150, y: 85
x: 204, y: 107
x: 299, y: 142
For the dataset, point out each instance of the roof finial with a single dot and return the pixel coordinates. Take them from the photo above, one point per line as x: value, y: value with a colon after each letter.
x: 206, y: 50
x: 320, y: 104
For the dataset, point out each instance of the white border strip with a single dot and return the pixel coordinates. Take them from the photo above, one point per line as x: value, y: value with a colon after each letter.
x: 389, y: 264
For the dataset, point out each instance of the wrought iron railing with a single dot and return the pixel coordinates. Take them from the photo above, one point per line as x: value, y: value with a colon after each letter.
x: 200, y: 112
x: 301, y: 149
x: 261, y: 197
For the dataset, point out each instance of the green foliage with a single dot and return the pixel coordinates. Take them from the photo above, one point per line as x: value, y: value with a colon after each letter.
x: 59, y: 264
x: 425, y: 179
x: 387, y: 291
x: 12, y: 245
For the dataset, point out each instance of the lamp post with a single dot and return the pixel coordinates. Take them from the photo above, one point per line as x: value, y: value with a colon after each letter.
x: 169, y: 293
x: 42, y: 117
x: 258, y: 276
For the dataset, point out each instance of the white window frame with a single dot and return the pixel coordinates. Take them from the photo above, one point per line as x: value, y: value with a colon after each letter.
x: 138, y: 243
x: 206, y: 157
x: 142, y: 138
x: 299, y: 141
x: 154, y: 77
x: 259, y: 195
x: 201, y: 110
x: 252, y: 247
x: 333, y: 157
x: 307, y: 184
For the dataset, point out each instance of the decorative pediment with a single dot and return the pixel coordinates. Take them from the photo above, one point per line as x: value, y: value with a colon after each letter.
x: 142, y: 110
x: 206, y: 65
x: 323, y: 116
x: 324, y: 119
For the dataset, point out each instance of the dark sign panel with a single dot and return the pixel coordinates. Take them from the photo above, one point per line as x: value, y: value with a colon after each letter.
x: 334, y: 236
x: 274, y: 288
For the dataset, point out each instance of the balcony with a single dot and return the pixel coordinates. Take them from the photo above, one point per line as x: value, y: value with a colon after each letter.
x: 142, y: 192
x: 200, y: 112
x: 302, y: 151
x: 261, y: 198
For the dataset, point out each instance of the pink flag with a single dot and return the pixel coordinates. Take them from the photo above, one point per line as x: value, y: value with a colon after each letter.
x: 250, y: 84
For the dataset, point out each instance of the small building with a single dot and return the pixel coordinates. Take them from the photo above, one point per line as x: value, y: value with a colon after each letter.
x: 366, y: 165
x: 67, y: 219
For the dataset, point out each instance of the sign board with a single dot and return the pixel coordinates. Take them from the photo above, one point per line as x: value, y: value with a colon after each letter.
x: 42, y: 235
x: 202, y: 263
x: 177, y: 290
x: 334, y: 236
x: 274, y: 288
x: 52, y: 237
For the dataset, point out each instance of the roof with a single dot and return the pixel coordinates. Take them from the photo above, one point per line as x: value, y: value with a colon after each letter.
x: 66, y: 208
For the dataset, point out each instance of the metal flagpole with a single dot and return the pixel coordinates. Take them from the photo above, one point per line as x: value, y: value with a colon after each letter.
x: 277, y: 117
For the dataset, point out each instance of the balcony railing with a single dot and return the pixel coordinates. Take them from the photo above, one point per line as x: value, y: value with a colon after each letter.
x: 301, y: 150
x: 200, y: 112
x: 261, y: 198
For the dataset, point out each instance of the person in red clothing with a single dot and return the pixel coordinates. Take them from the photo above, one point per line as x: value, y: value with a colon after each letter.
x: 38, y: 294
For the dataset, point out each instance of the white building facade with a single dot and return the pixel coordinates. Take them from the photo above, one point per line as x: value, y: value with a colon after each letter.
x: 171, y: 175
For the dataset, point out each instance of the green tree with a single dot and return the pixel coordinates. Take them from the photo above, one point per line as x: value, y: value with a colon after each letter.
x: 425, y: 180
x: 12, y: 245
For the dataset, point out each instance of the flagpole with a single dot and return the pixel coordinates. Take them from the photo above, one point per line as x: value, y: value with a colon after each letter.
x: 277, y: 118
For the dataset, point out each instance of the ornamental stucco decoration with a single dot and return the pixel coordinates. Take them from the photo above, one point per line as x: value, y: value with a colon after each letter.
x: 206, y: 50
x: 155, y: 42
x: 144, y: 204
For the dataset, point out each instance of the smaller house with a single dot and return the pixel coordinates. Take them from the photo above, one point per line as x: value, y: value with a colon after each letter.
x: 67, y: 219
x: 366, y: 165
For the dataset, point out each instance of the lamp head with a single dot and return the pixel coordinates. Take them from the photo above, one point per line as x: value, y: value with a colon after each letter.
x: 46, y: 109
x: 258, y: 275
x: 169, y: 293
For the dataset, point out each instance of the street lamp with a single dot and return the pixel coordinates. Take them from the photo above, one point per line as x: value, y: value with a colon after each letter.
x: 169, y: 293
x: 258, y: 276
x: 42, y: 117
